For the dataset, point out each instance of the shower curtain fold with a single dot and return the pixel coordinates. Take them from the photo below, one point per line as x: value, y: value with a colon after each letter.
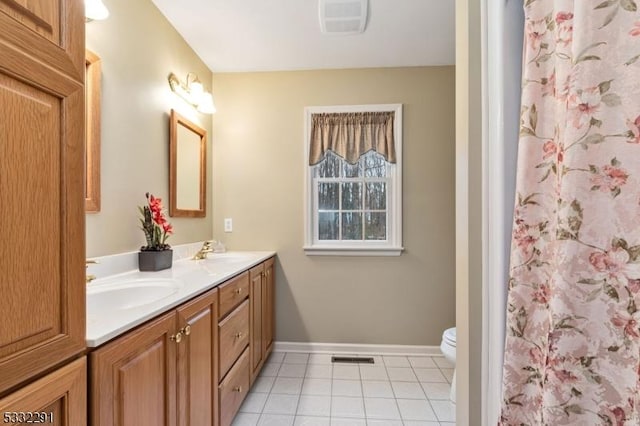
x: 572, y: 353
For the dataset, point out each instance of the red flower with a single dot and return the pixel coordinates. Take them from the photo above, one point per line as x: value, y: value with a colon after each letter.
x: 634, y: 129
x: 635, y: 31
x: 542, y: 294
x: 563, y: 16
x: 167, y: 227
x: 628, y: 323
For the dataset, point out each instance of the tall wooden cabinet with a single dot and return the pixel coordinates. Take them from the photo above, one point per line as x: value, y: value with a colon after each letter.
x: 57, y: 399
x: 41, y: 186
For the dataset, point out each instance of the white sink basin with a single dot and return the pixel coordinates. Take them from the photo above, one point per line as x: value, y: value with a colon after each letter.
x: 128, y: 294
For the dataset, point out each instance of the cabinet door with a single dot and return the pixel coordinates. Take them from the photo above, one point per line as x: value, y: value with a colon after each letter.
x: 197, y: 379
x: 268, y: 308
x: 255, y: 297
x: 133, y: 378
x: 41, y: 186
x: 59, y: 398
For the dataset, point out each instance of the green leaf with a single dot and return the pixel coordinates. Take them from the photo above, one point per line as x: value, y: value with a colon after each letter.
x: 588, y: 58
x: 611, y: 99
x: 632, y: 60
x: 563, y: 234
x: 629, y: 5
x: 533, y: 117
x: 613, y: 348
x: 604, y: 86
x: 611, y: 292
x: 610, y: 17
x: 544, y: 58
x: 589, y: 281
x: 594, y: 139
x: 595, y: 122
x: 616, y: 191
x: 525, y: 131
x: 614, y: 162
x: 619, y: 243
x: 593, y: 169
x: 605, y: 4
x: 634, y: 253
x: 573, y: 409
x: 586, y: 49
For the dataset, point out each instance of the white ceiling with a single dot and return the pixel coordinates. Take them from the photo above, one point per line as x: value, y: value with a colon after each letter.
x: 276, y: 35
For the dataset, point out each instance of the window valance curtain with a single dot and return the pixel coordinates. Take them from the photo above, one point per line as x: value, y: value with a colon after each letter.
x: 350, y: 135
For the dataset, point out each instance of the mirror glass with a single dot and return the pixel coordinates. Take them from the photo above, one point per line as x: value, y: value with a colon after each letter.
x: 187, y: 168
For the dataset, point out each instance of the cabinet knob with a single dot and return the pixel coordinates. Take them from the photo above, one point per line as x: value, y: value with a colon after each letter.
x: 237, y: 389
x: 239, y: 290
x: 186, y: 330
x: 238, y: 335
x: 176, y: 337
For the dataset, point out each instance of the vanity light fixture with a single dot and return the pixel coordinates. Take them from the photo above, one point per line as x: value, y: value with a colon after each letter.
x: 193, y: 92
x: 95, y: 10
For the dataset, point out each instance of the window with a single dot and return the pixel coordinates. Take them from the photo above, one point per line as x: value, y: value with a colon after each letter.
x: 353, y: 204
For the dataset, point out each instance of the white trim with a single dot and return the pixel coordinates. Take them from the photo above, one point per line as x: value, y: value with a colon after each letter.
x: 352, y: 251
x: 357, y: 349
x: 394, y: 246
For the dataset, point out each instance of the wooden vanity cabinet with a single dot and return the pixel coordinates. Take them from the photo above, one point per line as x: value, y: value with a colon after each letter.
x: 161, y: 374
x: 262, y: 294
x: 193, y: 365
x: 41, y: 187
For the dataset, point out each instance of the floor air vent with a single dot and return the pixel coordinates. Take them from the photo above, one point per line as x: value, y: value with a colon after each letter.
x: 353, y: 359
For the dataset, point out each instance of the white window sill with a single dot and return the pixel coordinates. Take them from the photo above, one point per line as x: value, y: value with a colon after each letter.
x: 352, y: 251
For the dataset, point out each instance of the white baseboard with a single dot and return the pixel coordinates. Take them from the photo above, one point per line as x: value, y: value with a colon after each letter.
x: 357, y: 349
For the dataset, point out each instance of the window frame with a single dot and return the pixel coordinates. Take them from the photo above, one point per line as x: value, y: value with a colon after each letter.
x: 390, y: 247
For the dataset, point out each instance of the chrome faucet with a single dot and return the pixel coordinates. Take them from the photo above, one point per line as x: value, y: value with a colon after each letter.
x: 90, y: 277
x: 202, y: 253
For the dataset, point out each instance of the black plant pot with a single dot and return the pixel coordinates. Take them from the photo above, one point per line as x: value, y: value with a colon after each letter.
x: 155, y: 260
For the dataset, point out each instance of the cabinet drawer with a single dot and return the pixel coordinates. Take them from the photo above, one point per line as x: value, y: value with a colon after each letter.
x: 233, y: 389
x: 233, y: 293
x: 234, y: 336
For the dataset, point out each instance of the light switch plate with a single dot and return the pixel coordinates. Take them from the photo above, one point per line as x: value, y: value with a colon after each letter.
x: 228, y: 224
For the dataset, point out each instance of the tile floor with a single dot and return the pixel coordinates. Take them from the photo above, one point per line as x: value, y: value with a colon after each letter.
x: 299, y: 389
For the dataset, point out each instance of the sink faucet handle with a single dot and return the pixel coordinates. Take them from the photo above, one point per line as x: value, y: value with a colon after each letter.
x: 90, y: 262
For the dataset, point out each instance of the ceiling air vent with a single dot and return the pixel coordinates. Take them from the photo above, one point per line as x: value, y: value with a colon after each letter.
x: 343, y: 16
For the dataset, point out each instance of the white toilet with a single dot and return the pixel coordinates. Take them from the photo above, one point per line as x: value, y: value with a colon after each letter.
x: 448, y: 348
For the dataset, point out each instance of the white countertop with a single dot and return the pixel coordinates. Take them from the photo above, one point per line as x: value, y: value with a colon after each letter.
x: 192, y: 278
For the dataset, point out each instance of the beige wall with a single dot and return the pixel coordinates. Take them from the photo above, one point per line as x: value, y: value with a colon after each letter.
x: 139, y: 48
x: 258, y: 181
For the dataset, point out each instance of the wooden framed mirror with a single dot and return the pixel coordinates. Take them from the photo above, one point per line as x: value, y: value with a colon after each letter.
x: 93, y: 69
x: 187, y: 168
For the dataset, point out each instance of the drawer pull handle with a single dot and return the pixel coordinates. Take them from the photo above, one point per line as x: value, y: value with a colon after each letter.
x: 238, y: 335
x: 176, y: 338
x: 237, y: 389
x: 239, y: 290
x: 186, y: 330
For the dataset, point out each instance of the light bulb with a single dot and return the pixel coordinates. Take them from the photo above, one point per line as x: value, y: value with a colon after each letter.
x: 206, y: 105
x: 95, y: 10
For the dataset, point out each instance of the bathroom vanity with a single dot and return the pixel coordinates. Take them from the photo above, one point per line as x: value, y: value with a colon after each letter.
x: 190, y: 357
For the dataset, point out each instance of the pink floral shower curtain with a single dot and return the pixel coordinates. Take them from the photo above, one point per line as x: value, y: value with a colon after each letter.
x: 572, y: 353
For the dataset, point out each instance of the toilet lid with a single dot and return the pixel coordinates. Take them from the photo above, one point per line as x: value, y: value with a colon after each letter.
x: 449, y: 336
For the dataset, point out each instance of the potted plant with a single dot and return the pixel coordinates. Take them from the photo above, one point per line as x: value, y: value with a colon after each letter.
x: 157, y: 254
